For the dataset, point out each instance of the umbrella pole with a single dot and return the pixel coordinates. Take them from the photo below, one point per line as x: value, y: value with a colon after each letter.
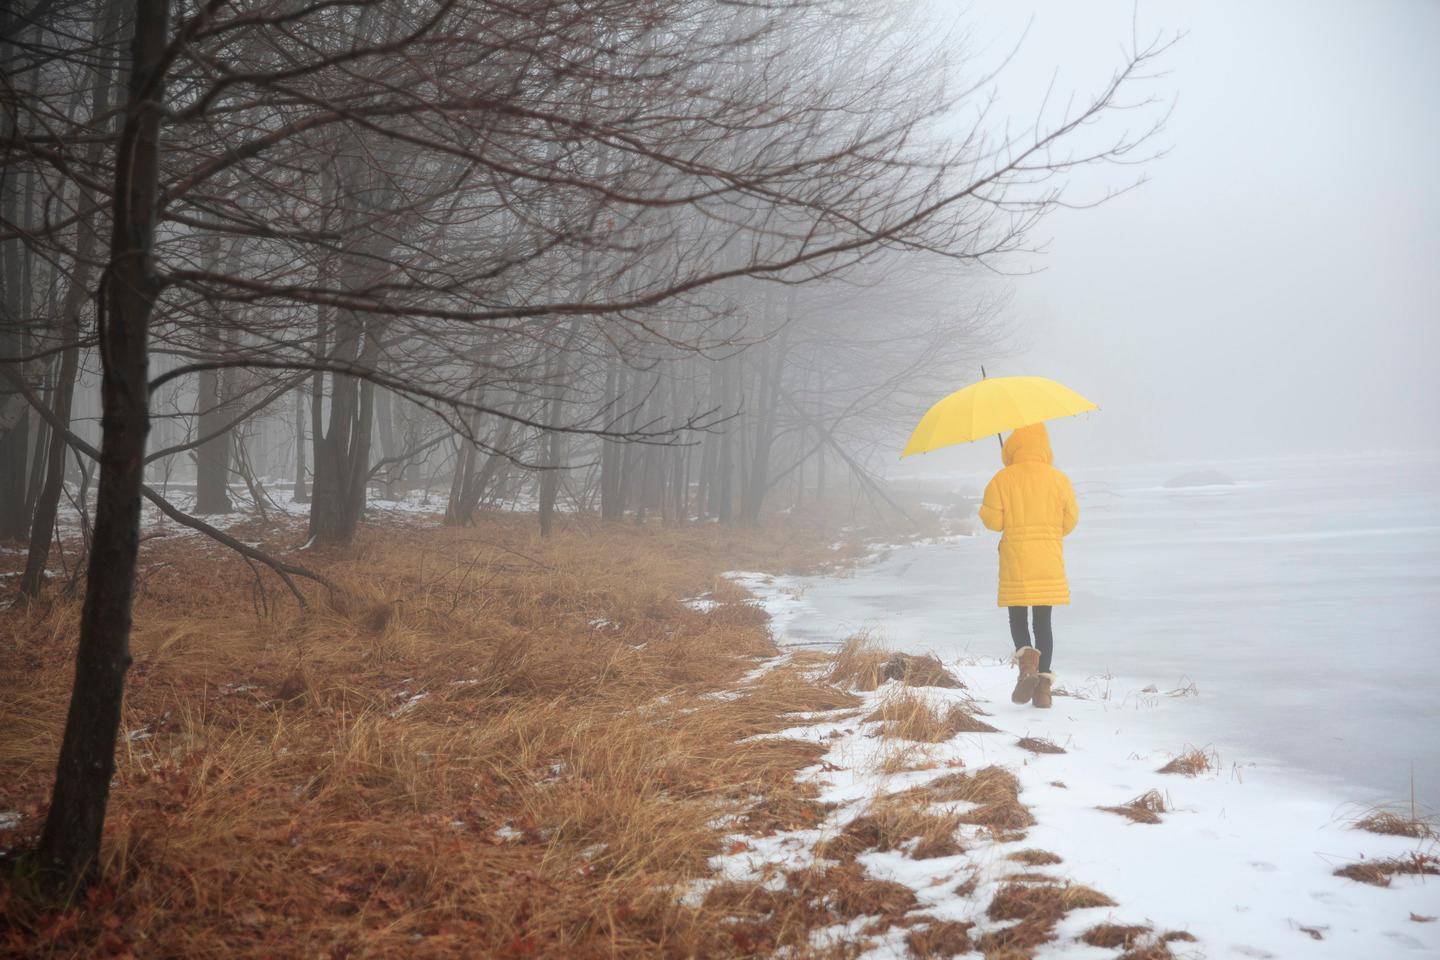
x: 997, y: 436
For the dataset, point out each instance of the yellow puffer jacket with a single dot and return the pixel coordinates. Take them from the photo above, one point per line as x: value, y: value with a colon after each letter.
x: 1034, y: 506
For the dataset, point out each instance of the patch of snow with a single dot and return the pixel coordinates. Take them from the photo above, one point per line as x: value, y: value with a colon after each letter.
x: 409, y: 703
x: 704, y: 604
x: 10, y: 819
x: 1244, y: 859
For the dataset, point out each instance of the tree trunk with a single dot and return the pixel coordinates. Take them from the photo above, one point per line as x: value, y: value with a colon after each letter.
x: 301, y: 492
x: 610, y: 449
x: 724, y: 505
x: 768, y: 404
x: 212, y: 458
x: 70, y: 841
x: 385, y: 428
x: 15, y: 436
x: 553, y: 443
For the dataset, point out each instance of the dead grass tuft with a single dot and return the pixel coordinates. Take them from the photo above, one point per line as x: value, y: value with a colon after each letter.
x: 939, y: 939
x: 1030, y: 876
x: 1155, y: 950
x: 1039, y: 745
x: 910, y: 716
x: 1396, y: 825
x: 1034, y: 858
x: 859, y: 664
x: 994, y: 791
x: 896, y: 823
x: 763, y: 917
x: 1192, y: 762
x: 1037, y: 908
x: 1145, y: 808
x: 1378, y: 872
x: 919, y: 671
x: 1114, y: 935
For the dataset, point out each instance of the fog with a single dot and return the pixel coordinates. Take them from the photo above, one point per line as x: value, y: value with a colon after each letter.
x: 1272, y: 288
x: 429, y: 430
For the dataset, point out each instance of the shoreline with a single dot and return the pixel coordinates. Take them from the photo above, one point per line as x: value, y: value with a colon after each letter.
x: 1244, y: 860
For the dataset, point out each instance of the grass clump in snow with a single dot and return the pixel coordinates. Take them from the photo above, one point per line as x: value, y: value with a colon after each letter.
x: 765, y: 917
x: 1378, y: 872
x: 1114, y: 935
x: 1037, y: 908
x: 1396, y: 825
x: 904, y: 822
x: 993, y: 790
x: 1039, y: 745
x: 909, y: 716
x: 859, y: 664
x: 1156, y: 950
x: 1034, y: 858
x: 1145, y: 808
x: 939, y: 939
x: 920, y: 671
x: 1192, y: 762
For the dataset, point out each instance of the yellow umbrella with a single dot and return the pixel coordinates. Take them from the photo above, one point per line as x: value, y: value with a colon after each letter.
x: 991, y: 406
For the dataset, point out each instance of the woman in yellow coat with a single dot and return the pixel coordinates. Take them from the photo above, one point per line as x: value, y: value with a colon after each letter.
x: 1033, y: 506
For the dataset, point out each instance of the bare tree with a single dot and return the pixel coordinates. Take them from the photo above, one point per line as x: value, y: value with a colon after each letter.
x: 593, y: 244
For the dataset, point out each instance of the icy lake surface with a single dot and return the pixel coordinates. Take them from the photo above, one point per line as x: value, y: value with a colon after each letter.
x: 1302, y: 601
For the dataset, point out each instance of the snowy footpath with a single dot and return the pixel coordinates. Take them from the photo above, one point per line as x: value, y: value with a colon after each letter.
x: 1239, y: 855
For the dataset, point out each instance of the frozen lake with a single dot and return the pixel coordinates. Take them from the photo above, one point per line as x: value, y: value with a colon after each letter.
x: 1303, y: 601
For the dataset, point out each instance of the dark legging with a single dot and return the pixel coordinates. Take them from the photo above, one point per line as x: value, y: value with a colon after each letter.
x: 1044, y: 639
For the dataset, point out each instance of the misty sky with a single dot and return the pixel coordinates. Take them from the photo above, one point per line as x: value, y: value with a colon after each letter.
x: 1274, y: 287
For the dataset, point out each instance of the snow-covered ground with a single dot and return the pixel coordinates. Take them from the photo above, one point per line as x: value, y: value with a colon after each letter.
x: 1303, y: 602
x: 1292, y: 615
x: 1243, y: 859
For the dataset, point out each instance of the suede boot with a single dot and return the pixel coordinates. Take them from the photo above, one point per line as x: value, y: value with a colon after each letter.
x: 1041, y: 697
x: 1029, y: 660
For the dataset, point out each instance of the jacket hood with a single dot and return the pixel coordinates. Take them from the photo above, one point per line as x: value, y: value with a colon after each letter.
x: 1028, y: 445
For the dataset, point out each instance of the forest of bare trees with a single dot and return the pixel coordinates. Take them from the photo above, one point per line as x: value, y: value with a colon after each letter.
x: 683, y: 261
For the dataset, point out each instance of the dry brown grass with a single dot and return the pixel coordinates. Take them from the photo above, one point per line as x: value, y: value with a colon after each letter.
x: 1036, y: 908
x: 994, y: 791
x: 1145, y: 808
x: 1114, y: 935
x: 1039, y: 745
x: 1034, y: 858
x: 1155, y: 950
x: 910, y: 716
x: 762, y: 917
x: 1396, y: 825
x: 920, y: 671
x: 1378, y: 872
x: 859, y: 664
x: 1192, y: 762
x: 902, y: 756
x: 903, y: 822
x: 939, y: 939
x: 449, y: 759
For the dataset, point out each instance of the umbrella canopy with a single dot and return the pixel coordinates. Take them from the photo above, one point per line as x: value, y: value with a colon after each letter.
x: 990, y: 406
